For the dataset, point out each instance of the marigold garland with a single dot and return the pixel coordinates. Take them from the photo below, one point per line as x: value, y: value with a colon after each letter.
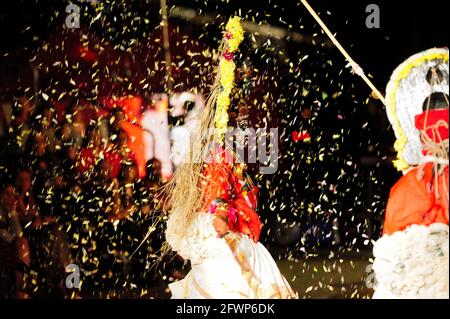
x: 233, y: 38
x: 235, y: 33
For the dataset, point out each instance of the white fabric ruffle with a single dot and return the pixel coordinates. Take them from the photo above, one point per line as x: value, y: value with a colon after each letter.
x: 216, y: 273
x: 413, y: 263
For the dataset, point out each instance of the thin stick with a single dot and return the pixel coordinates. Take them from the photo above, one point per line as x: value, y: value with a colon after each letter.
x: 166, y: 44
x: 357, y: 69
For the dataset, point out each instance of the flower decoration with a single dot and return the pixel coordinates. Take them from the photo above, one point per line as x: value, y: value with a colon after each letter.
x: 233, y: 37
x: 222, y: 204
x: 301, y: 136
x: 228, y: 55
x: 235, y: 33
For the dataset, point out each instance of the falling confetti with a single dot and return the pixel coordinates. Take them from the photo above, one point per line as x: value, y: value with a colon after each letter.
x: 321, y: 209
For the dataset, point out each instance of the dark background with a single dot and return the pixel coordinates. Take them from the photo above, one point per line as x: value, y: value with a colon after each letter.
x: 364, y: 133
x: 343, y: 174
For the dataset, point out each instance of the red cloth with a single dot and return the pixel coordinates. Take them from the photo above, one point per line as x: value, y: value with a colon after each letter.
x: 433, y: 117
x: 130, y: 105
x: 85, y: 160
x: 115, y: 160
x: 222, y: 182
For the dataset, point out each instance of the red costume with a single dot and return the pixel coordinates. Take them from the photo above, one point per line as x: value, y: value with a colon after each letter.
x: 224, y: 183
x: 421, y: 196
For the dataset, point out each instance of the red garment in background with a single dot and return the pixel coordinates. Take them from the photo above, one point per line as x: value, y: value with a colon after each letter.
x: 131, y: 106
x: 115, y: 160
x: 85, y: 160
x: 136, y: 145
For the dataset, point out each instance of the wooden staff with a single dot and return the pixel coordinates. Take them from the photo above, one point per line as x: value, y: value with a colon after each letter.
x: 356, y: 68
x: 166, y: 44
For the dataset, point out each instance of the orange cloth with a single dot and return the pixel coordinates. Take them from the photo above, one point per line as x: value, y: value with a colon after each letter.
x: 131, y: 106
x: 413, y: 200
x: 222, y: 182
x: 136, y: 145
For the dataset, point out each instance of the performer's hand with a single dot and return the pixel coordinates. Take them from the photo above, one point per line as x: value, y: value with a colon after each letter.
x: 220, y: 225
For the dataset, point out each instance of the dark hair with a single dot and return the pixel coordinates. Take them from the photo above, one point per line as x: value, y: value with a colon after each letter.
x: 90, y: 129
x: 436, y: 100
x: 19, y: 93
x: 152, y: 174
x: 439, y: 75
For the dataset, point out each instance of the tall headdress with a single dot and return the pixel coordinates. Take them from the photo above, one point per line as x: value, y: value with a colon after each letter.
x: 405, y: 93
x: 184, y: 192
x: 234, y: 34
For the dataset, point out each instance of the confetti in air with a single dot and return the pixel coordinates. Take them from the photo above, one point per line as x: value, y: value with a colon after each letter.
x: 89, y: 108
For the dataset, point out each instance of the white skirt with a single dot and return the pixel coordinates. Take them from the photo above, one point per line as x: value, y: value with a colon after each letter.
x: 234, y: 267
x: 413, y: 263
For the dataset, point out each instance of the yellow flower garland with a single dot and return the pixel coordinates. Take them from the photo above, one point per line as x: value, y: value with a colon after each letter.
x: 226, y: 69
x: 400, y: 163
x: 236, y: 32
x: 233, y: 38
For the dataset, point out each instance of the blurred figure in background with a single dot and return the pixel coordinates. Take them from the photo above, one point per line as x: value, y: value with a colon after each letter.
x: 14, y: 251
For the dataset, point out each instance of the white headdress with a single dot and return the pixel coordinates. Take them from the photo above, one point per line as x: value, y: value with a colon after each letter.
x: 405, y: 94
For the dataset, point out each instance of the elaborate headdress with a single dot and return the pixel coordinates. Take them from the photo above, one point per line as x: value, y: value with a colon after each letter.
x: 233, y: 37
x: 406, y: 92
x: 185, y: 195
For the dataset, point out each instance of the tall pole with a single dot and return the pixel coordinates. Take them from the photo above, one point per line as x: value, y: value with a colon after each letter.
x: 35, y: 85
x: 356, y: 68
x: 166, y: 44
